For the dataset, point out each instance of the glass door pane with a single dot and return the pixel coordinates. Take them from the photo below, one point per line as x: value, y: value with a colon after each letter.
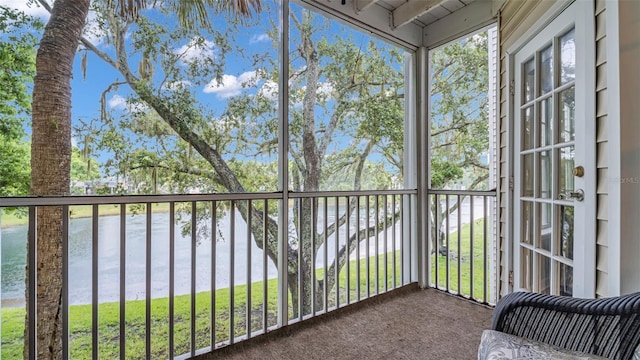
x: 566, y: 116
x: 546, y: 153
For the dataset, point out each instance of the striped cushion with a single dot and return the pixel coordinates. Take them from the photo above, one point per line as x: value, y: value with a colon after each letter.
x: 608, y: 327
x: 497, y: 345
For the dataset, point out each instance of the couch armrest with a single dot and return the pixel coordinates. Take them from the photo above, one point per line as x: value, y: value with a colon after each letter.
x: 608, y: 327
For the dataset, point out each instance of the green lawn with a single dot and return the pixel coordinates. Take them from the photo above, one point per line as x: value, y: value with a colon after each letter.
x: 109, y: 317
x: 464, y: 262
x: 109, y: 313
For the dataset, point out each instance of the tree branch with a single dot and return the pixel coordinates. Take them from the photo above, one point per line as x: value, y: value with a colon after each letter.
x: 352, y: 243
x: 352, y: 204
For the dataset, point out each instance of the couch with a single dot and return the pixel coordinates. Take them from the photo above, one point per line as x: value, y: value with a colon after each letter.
x: 537, y: 326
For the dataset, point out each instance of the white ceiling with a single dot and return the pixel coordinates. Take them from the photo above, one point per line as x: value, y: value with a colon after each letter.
x: 411, y: 23
x: 422, y: 12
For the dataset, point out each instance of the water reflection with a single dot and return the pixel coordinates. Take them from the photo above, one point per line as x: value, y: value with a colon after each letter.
x: 14, y: 259
x: 80, y: 270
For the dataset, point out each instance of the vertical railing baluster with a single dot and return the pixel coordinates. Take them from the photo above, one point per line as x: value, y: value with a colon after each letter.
x: 148, y: 285
x: 336, y: 259
x: 248, y: 304
x: 442, y: 214
x: 401, y: 214
x: 313, y: 255
x: 367, y: 254
x: 172, y: 266
x: 325, y: 254
x: 232, y: 250
x: 459, y: 244
x: 377, y: 246
x: 484, y: 248
x: 447, y: 270
x: 65, y: 282
x: 265, y: 277
x: 94, y: 282
x: 393, y: 240
x: 471, y: 236
x: 386, y: 245
x: 357, y: 247
x: 123, y: 280
x: 300, y: 257
x: 214, y: 242
x: 436, y: 212
x: 410, y: 235
x: 33, y: 278
x: 194, y: 234
x: 348, y: 246
x: 402, y: 249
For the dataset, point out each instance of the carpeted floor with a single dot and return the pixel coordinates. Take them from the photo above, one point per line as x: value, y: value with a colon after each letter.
x: 407, y: 324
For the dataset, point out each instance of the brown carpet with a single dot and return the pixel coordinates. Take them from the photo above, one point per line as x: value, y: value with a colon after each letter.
x: 408, y: 323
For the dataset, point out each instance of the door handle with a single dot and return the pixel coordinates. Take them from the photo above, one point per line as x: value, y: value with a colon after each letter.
x: 577, y: 195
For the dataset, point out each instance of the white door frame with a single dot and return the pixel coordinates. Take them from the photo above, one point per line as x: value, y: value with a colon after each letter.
x: 585, y: 255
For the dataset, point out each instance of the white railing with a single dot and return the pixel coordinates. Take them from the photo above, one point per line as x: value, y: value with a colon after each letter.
x: 173, y: 276
x: 463, y: 252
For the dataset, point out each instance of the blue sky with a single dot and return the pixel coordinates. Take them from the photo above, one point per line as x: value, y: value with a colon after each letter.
x: 86, y: 92
x: 238, y: 70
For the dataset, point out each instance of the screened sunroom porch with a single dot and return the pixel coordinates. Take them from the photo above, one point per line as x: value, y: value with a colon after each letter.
x: 167, y: 264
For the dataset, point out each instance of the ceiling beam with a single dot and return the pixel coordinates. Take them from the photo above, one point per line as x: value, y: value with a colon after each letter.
x: 375, y: 21
x: 410, y: 10
x: 363, y: 4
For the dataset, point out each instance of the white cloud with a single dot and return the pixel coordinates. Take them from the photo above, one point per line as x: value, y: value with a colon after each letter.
x: 117, y: 102
x: 91, y: 30
x: 259, y: 38
x: 269, y: 90
x: 197, y: 49
x: 231, y: 85
x: 24, y: 6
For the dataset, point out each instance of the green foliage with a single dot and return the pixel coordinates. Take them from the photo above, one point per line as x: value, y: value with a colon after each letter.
x: 146, y: 150
x: 459, y: 123
x: 83, y: 168
x: 443, y: 172
x: 15, y: 174
x: 357, y: 115
x: 17, y: 56
x: 17, y: 60
x: 459, y: 113
x: 358, y: 111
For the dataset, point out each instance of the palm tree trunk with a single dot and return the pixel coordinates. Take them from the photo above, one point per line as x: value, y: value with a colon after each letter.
x: 50, y: 163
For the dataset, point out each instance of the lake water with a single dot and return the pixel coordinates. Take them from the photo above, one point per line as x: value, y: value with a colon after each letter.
x: 13, y: 256
x: 14, y: 259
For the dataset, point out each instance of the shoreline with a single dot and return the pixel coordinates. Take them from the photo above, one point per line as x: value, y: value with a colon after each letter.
x: 8, y: 221
x: 13, y: 303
